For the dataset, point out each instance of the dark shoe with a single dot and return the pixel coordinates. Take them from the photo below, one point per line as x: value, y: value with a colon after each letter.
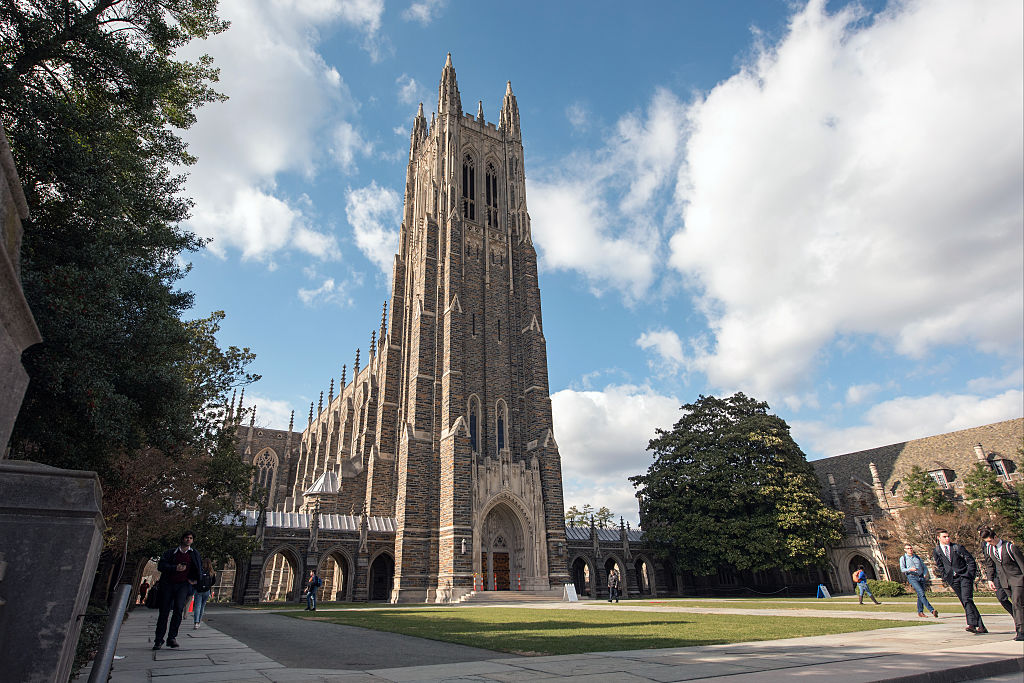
x: 920, y: 614
x: 1020, y: 636
x: 971, y: 629
x: 157, y: 645
x: 935, y: 613
x: 980, y: 630
x: 172, y: 643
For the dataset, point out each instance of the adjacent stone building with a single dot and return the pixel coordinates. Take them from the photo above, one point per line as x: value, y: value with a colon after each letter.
x: 867, y: 485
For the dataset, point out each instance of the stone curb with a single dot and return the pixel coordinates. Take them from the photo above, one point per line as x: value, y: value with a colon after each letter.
x: 964, y: 673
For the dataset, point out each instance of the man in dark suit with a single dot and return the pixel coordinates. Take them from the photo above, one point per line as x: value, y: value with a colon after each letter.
x: 1005, y: 565
x: 957, y: 568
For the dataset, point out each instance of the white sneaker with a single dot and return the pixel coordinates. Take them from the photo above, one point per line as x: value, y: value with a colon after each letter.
x: 196, y: 626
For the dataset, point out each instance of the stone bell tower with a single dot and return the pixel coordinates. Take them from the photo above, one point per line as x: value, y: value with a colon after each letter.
x: 463, y: 375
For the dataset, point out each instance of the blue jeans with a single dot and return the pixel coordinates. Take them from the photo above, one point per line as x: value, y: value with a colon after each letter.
x: 199, y: 605
x: 311, y: 599
x: 917, y: 583
x: 862, y: 589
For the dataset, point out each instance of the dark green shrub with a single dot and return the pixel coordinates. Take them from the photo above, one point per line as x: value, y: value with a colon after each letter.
x: 886, y: 589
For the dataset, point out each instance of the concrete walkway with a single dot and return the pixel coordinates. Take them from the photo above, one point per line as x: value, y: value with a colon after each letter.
x: 934, y: 652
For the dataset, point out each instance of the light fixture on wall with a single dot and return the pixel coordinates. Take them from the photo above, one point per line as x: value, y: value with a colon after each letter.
x: 463, y: 546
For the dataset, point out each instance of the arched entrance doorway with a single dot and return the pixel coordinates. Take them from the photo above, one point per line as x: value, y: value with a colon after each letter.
x: 506, y: 555
x: 581, y: 577
x: 869, y: 569
x: 644, y: 576
x: 224, y: 587
x: 610, y: 564
x: 279, y: 575
x: 335, y: 573
x: 382, y: 577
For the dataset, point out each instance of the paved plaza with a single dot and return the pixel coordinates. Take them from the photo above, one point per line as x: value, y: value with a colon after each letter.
x: 315, y: 651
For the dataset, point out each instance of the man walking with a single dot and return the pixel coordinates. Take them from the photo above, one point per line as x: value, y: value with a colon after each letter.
x: 1004, y: 564
x: 914, y: 568
x: 312, y: 583
x: 614, y: 583
x: 180, y: 570
x: 957, y: 568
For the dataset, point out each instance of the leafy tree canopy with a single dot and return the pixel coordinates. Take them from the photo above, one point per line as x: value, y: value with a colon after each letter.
x: 581, y: 517
x: 93, y: 99
x: 921, y: 489
x: 729, y: 486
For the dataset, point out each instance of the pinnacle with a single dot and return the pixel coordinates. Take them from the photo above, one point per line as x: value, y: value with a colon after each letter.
x: 448, y: 62
x: 420, y: 112
x: 508, y: 88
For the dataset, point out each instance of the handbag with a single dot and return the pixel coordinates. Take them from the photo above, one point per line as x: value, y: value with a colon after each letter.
x: 153, y: 596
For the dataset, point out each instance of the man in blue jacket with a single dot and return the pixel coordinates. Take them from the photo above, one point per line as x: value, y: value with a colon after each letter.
x: 180, y: 570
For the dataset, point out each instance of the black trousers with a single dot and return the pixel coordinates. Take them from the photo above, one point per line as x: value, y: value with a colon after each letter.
x: 173, y: 598
x: 1016, y: 601
x: 963, y: 586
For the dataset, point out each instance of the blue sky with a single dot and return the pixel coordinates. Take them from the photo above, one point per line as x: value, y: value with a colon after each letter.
x: 818, y: 204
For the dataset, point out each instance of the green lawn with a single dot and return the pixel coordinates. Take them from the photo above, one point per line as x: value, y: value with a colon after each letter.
x: 556, y: 632
x: 888, y: 604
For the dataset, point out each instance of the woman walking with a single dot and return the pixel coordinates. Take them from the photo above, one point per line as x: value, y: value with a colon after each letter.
x: 203, y: 590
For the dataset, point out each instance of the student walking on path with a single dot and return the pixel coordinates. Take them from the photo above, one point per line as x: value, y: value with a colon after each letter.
x: 958, y: 569
x: 203, y: 590
x: 312, y: 583
x: 914, y: 568
x: 861, y: 579
x: 614, y: 584
x: 1005, y: 568
x: 180, y: 570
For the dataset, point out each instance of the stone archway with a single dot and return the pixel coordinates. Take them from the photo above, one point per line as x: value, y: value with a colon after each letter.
x: 582, y: 577
x: 336, y: 571
x: 280, y: 575
x: 505, y: 557
x: 382, y: 577
x: 644, y: 576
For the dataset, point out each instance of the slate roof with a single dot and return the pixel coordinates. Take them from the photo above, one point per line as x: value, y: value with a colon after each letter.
x: 582, y: 533
x: 300, y: 520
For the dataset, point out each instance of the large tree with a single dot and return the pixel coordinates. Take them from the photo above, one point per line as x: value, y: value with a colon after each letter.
x: 93, y: 97
x: 730, y: 487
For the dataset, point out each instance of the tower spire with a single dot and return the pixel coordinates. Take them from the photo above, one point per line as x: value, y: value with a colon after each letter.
x: 241, y: 402
x: 373, y: 343
x: 448, y: 99
x: 343, y: 385
x: 291, y: 422
x: 383, y: 322
x: 480, y: 111
x: 509, y: 121
x: 320, y: 405
x: 310, y: 412
x: 355, y: 368
x: 252, y: 418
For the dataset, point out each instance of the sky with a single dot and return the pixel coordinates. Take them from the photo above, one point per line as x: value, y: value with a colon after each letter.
x: 818, y: 204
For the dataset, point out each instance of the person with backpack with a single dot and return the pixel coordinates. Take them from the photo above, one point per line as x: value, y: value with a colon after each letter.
x: 860, y: 578
x: 312, y: 584
x: 1005, y: 567
x: 203, y: 590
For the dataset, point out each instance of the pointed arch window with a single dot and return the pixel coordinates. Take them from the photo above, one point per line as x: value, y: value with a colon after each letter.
x: 265, y: 463
x: 501, y: 424
x: 474, y: 423
x: 468, y: 188
x: 491, y: 186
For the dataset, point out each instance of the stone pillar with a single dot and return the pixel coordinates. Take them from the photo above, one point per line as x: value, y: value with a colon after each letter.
x: 51, y: 531
x: 18, y: 329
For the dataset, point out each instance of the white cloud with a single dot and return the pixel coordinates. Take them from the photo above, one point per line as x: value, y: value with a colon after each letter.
x: 601, y: 217
x: 577, y: 115
x: 270, y: 413
x: 859, y: 178
x: 857, y: 393
x: 348, y: 143
x: 602, y: 438
x: 375, y: 215
x: 410, y: 91
x: 905, y: 418
x: 329, y: 292
x: 424, y: 11
x: 666, y: 344
x: 282, y: 97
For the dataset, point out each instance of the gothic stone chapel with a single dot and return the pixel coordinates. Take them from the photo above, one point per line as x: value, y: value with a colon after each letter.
x: 434, y: 471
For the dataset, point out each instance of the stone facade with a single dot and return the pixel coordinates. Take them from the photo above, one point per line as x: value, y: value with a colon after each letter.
x: 446, y: 428
x: 867, y: 485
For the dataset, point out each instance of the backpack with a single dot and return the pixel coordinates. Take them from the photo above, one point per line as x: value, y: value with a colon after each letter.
x: 319, y: 582
x: 153, y: 596
x: 205, y: 583
x: 858, y: 576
